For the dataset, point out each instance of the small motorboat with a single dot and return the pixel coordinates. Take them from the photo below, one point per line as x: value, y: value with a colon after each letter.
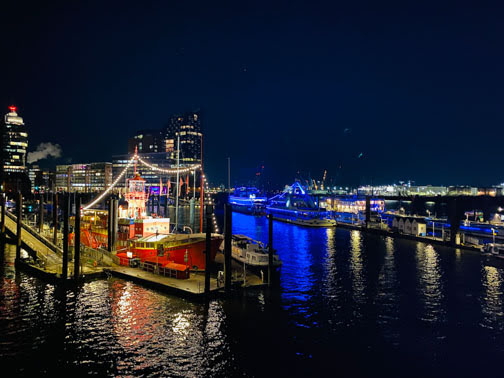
x: 253, y: 253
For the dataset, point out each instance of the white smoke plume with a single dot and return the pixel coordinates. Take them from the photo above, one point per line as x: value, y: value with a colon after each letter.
x: 43, y: 151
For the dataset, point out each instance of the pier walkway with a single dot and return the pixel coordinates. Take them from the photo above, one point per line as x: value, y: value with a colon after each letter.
x: 47, y: 252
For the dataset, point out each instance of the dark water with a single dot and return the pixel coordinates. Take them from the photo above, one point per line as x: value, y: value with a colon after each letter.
x: 348, y: 305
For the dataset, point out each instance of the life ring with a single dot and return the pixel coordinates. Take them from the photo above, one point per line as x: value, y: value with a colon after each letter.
x: 95, y: 264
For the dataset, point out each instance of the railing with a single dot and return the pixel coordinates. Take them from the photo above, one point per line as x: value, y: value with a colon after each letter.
x: 36, y: 235
x: 109, y: 255
x: 101, y: 256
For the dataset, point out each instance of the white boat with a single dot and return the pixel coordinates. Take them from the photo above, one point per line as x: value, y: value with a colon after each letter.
x: 494, y: 249
x: 303, y: 218
x: 248, y: 201
x: 294, y: 205
x: 252, y: 253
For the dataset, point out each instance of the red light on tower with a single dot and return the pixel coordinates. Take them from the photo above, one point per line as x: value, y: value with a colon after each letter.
x: 12, y: 108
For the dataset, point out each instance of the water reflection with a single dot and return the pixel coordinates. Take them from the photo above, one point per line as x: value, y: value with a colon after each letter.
x: 388, y: 294
x: 345, y: 300
x: 331, y: 280
x: 430, y: 285
x: 130, y: 330
x: 492, y: 299
x: 356, y: 268
x: 297, y: 263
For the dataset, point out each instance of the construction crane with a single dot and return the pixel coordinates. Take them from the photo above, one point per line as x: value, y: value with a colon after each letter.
x: 323, y: 179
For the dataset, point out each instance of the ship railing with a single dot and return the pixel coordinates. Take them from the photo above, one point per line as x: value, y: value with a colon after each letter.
x: 100, y: 256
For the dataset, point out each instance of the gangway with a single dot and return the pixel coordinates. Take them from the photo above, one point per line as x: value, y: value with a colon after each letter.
x: 44, y: 249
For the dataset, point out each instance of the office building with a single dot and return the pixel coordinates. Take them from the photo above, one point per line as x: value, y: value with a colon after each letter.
x: 86, y: 178
x: 188, y: 126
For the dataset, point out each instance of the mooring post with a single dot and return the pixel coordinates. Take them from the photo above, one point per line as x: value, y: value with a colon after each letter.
x: 454, y: 217
x: 41, y: 213
x: 115, y: 225
x: 208, y: 249
x: 19, y: 215
x: 109, y: 225
x: 166, y: 210
x: 4, y: 204
x: 368, y: 211
x: 270, y: 249
x: 77, y: 237
x: 55, y: 218
x: 228, y: 216
x: 191, y: 212
x: 66, y: 219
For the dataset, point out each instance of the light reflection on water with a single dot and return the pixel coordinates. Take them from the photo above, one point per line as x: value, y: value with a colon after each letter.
x: 363, y: 303
x: 356, y: 268
x: 387, y: 299
x: 430, y: 285
x: 492, y: 300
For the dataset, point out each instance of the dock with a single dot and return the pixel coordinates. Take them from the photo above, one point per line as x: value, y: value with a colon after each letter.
x: 396, y: 234
x: 193, y: 287
x: 37, y: 255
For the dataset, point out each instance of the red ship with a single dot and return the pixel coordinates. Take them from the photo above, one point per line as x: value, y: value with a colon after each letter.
x: 149, y: 238
x: 184, y: 249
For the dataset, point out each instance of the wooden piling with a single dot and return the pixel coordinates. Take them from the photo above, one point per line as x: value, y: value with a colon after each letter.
x: 19, y: 215
x: 66, y: 219
x: 191, y: 212
x: 41, y: 213
x: 4, y: 205
x: 77, y: 237
x: 368, y: 211
x: 55, y: 218
x: 270, y: 249
x: 115, y: 224
x: 228, y: 216
x: 208, y: 247
x: 109, y: 225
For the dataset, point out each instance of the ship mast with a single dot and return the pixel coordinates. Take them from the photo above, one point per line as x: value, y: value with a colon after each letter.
x: 136, y: 155
x: 178, y: 179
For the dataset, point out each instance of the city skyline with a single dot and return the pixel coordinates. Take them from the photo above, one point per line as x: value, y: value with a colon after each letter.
x: 370, y: 94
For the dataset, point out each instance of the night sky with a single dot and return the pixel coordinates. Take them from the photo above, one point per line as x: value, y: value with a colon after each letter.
x: 372, y: 92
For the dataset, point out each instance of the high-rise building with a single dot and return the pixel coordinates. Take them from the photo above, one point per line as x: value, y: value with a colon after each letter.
x: 41, y: 181
x: 33, y: 171
x: 147, y: 141
x: 13, y: 171
x: 14, y: 143
x: 158, y: 147
x: 188, y: 126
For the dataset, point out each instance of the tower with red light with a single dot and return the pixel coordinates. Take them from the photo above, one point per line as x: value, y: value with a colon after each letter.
x: 14, y: 143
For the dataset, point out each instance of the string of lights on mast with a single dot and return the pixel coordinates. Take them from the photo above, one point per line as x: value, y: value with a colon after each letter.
x: 102, y: 196
x: 134, y: 159
x: 210, y: 201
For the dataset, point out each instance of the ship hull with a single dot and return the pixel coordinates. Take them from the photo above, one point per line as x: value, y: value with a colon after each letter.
x: 248, y: 209
x: 195, y: 257
x: 308, y: 223
x: 301, y: 217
